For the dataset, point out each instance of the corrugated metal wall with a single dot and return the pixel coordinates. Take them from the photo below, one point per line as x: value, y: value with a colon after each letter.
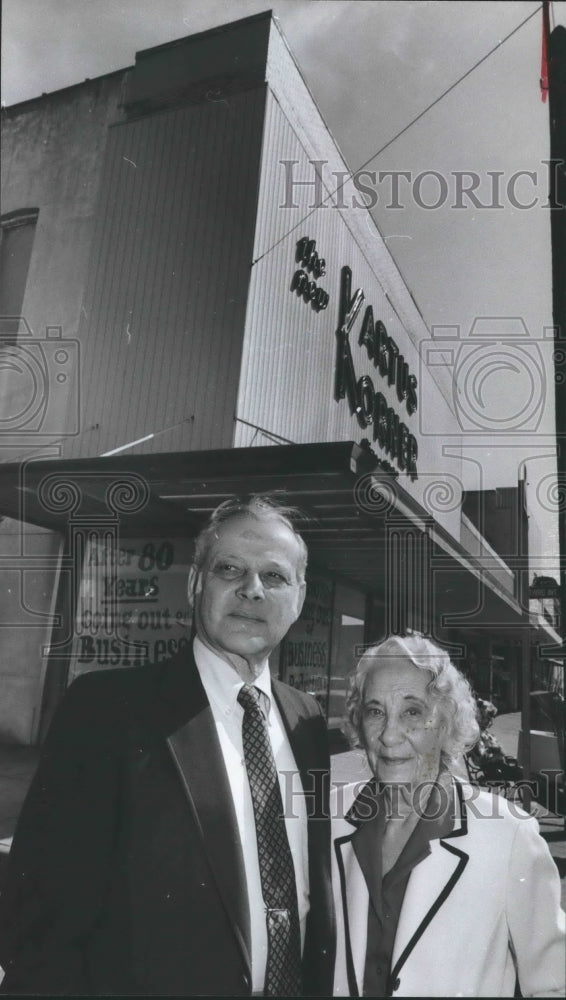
x: 284, y: 334
x: 288, y: 365
x: 163, y: 314
x: 288, y: 369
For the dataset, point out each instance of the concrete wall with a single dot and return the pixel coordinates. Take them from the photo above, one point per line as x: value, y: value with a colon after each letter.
x: 29, y: 571
x: 52, y: 150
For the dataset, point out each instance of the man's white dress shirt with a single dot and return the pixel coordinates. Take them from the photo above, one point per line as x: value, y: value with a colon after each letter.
x: 222, y: 684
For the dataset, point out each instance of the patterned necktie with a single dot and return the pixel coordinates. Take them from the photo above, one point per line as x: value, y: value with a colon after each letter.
x: 283, y: 970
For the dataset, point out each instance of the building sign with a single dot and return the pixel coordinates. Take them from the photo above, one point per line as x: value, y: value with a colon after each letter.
x: 370, y: 406
x: 544, y: 587
x: 305, y: 651
x: 313, y: 266
x: 132, y: 605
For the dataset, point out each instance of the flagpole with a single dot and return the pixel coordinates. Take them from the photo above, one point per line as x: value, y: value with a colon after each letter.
x: 556, y: 71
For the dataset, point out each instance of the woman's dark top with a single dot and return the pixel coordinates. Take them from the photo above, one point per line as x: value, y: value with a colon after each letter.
x: 387, y: 892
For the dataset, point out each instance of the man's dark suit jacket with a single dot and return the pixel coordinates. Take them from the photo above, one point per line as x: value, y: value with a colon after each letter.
x: 126, y: 872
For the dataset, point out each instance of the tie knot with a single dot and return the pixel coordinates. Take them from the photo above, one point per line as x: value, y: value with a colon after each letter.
x: 248, y: 696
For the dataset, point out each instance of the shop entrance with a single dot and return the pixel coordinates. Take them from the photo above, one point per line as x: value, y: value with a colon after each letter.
x: 323, y: 646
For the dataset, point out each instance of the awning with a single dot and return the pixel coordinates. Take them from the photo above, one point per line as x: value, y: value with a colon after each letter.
x: 351, y: 499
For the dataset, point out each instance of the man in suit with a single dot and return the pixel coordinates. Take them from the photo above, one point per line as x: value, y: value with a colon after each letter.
x: 138, y: 865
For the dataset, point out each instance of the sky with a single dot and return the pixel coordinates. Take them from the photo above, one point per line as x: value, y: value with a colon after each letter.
x: 473, y: 262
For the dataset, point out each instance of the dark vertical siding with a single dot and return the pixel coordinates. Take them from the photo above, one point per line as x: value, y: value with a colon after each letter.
x: 163, y: 315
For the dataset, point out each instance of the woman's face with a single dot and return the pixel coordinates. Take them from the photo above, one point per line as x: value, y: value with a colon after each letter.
x: 401, y: 728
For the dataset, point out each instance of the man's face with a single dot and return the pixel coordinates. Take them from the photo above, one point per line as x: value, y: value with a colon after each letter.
x: 247, y: 593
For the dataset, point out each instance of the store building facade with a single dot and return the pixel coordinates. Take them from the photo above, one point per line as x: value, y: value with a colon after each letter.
x: 207, y: 309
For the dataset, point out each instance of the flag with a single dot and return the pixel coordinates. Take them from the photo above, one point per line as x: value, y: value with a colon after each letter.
x: 544, y: 53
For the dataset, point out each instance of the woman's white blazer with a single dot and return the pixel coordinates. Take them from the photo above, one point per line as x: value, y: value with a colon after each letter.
x: 488, y: 894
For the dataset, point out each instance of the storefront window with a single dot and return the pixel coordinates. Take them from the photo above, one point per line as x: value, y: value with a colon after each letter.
x: 324, y: 645
x: 132, y: 608
x: 347, y: 646
x: 302, y: 659
x: 132, y: 604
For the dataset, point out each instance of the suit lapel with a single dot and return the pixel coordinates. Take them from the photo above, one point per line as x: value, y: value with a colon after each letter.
x: 302, y: 751
x: 312, y: 764
x: 195, y: 750
x: 430, y: 884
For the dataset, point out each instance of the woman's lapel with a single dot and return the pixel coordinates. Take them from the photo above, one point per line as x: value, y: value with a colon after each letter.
x: 431, y: 883
x: 355, y: 899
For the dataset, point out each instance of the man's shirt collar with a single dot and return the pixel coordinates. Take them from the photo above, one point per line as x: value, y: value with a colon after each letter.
x: 222, y: 681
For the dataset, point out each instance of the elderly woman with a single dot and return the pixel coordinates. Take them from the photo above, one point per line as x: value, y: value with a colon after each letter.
x: 442, y: 889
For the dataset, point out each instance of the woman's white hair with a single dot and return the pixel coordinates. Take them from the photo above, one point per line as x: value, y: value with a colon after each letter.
x: 447, y: 688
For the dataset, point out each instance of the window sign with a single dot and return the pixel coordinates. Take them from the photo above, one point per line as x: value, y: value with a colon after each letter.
x: 132, y: 606
x: 305, y: 651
